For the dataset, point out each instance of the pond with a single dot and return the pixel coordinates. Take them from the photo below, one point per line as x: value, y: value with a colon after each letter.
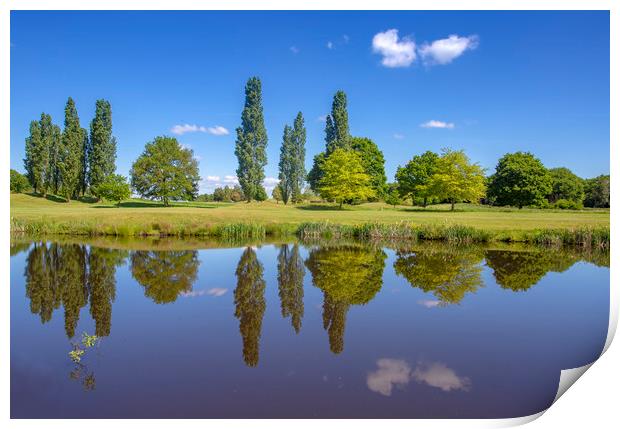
x: 298, y: 330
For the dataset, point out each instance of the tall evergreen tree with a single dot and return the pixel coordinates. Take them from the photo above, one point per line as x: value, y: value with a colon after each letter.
x: 33, y: 164
x: 70, y: 153
x: 102, y: 144
x: 340, y: 117
x: 84, y: 162
x: 292, y: 160
x: 251, y: 143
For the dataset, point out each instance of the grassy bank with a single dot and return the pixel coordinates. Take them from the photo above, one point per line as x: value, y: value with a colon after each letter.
x: 35, y: 215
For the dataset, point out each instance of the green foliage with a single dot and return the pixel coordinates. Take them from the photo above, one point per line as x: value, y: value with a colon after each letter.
x: 392, y: 195
x: 165, y: 274
x: 344, y: 178
x: 70, y: 154
x: 113, y: 188
x: 563, y: 204
x: 448, y: 273
x: 565, y: 185
x: 251, y: 143
x: 166, y: 171
x: 250, y: 304
x: 89, y: 341
x: 373, y: 163
x: 76, y: 355
x: 101, y: 152
x: 414, y: 178
x: 520, y: 180
x: 291, y: 284
x: 597, y: 191
x: 292, y: 169
x: 277, y: 193
x: 19, y: 182
x: 41, y: 160
x: 347, y: 275
x: 228, y: 194
x: 316, y: 173
x: 337, y: 125
x: 456, y: 179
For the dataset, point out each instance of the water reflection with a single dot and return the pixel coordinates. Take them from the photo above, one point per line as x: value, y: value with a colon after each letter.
x: 250, y: 303
x: 398, y: 373
x: 347, y: 275
x: 291, y: 284
x: 165, y: 274
x: 75, y: 276
x: 449, y: 273
x: 72, y: 275
x: 519, y: 271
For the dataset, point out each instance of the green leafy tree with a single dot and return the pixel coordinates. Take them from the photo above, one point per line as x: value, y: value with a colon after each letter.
x: 291, y: 284
x: 565, y: 185
x: 102, y: 264
x: 114, y: 188
x: 19, y: 182
x: 43, y: 288
x: 520, y: 270
x: 347, y: 275
x: 72, y: 273
x: 71, y: 153
x: 286, y: 166
x: 392, y: 195
x: 344, y: 178
x: 457, y: 179
x: 51, y: 136
x: 597, y: 191
x: 165, y: 274
x: 32, y: 161
x: 277, y: 193
x: 336, y: 137
x: 250, y: 304
x: 449, y: 274
x: 415, y: 177
x: 373, y: 163
x: 251, y: 143
x: 166, y: 171
x: 520, y: 180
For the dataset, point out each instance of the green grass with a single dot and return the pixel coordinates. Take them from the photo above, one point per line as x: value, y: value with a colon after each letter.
x: 469, y: 223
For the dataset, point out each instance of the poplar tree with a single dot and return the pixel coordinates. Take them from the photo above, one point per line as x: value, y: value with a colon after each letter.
x: 292, y: 159
x: 70, y: 153
x: 251, y: 143
x: 286, y: 164
x: 50, y: 143
x: 102, y: 145
x: 32, y: 160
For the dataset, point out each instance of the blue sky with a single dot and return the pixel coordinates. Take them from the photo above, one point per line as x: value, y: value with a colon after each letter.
x: 485, y: 82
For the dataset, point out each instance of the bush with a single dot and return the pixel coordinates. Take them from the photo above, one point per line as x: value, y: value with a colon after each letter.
x: 19, y: 182
x: 567, y: 205
x: 114, y: 188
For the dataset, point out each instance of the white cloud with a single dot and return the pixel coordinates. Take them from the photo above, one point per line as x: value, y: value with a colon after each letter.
x: 217, y: 291
x: 230, y: 180
x: 392, y: 373
x: 345, y: 38
x: 398, y: 136
x: 322, y: 118
x: 213, y: 178
x: 395, y: 52
x: 330, y: 45
x: 437, y: 124
x: 294, y: 49
x: 429, y: 303
x: 217, y: 130
x: 444, y: 51
x: 437, y: 374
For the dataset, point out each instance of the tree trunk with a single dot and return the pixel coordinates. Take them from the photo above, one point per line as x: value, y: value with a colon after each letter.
x: 452, y: 202
x: 340, y: 205
x: 424, y: 202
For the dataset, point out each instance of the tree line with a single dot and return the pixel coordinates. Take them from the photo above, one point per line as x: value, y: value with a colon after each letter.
x: 349, y: 170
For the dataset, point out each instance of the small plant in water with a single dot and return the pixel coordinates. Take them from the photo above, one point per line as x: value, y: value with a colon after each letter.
x: 89, y: 340
x: 76, y: 354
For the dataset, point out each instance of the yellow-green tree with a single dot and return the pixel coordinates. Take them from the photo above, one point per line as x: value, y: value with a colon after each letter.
x: 347, y: 275
x: 344, y: 178
x: 165, y: 274
x: 456, y: 179
x: 449, y: 274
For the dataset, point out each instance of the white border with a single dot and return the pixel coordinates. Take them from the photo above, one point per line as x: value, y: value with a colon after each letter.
x: 593, y: 402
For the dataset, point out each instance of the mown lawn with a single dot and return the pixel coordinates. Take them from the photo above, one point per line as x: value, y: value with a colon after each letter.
x: 147, y: 216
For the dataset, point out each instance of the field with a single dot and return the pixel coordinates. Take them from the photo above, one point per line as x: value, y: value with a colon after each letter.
x: 139, y: 217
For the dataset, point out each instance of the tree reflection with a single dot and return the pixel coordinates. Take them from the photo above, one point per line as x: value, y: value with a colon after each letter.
x: 250, y: 303
x: 72, y: 275
x: 165, y: 274
x: 347, y: 275
x: 521, y: 270
x: 449, y: 273
x: 291, y: 284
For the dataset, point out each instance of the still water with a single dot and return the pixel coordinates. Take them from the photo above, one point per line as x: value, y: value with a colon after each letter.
x: 285, y: 330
